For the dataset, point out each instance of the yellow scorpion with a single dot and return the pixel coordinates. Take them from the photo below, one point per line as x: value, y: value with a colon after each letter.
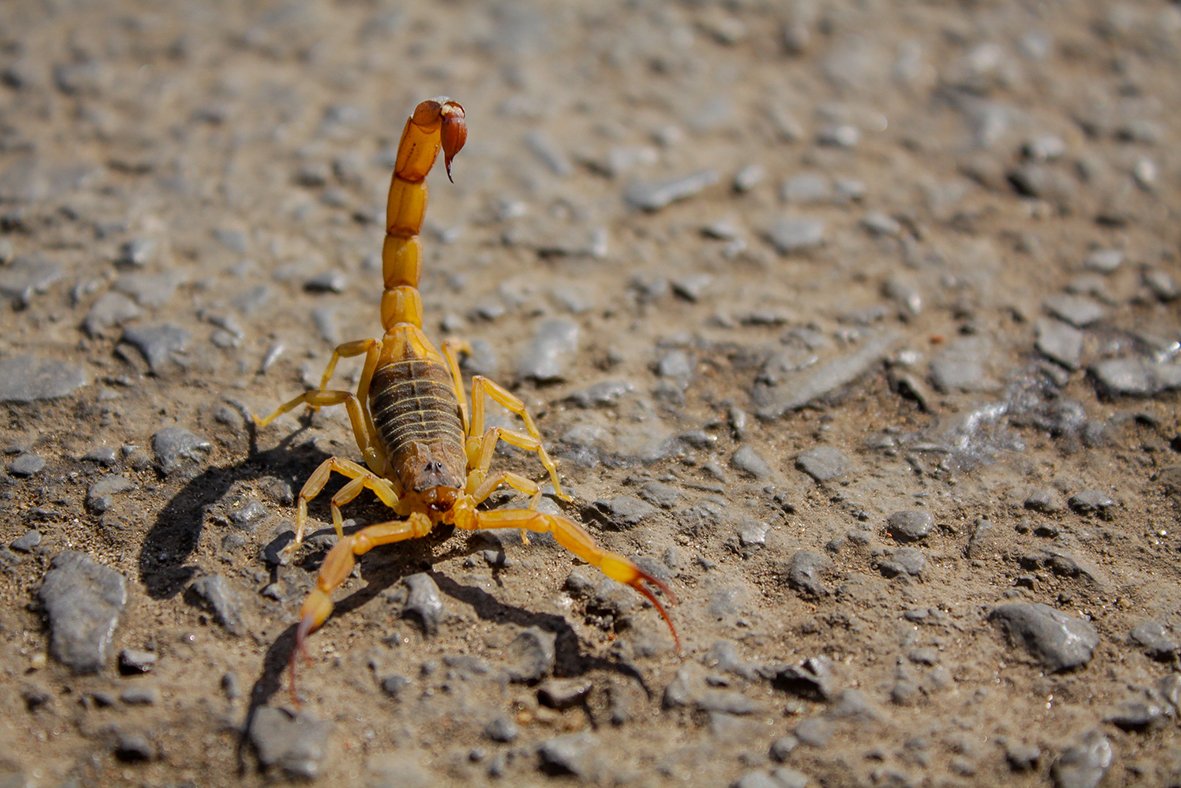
x: 428, y: 458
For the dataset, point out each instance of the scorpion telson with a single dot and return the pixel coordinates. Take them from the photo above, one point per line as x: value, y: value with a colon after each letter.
x: 427, y: 457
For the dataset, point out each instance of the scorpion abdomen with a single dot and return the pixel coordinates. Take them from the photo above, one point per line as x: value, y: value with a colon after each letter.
x: 416, y: 413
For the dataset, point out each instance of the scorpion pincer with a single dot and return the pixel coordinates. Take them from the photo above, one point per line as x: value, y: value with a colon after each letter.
x: 427, y: 457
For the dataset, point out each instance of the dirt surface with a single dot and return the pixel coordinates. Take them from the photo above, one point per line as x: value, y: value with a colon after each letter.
x: 857, y: 323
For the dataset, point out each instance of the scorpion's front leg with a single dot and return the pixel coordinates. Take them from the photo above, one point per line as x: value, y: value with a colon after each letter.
x: 574, y: 538
x: 359, y: 479
x: 338, y: 565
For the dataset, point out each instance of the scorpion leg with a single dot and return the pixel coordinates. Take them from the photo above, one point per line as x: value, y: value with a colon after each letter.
x: 483, y: 388
x: 451, y: 350
x: 338, y: 565
x: 574, y: 538
x: 360, y: 478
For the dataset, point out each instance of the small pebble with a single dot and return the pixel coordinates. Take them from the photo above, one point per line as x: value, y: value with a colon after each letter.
x: 792, y: 234
x: 134, y: 662
x: 912, y: 525
x: 1092, y: 502
x: 530, y: 656
x: 551, y: 352
x: 905, y: 561
x: 423, y: 602
x: 653, y: 195
x: 177, y: 448
x: 84, y: 600
x: 1083, y: 764
x: 747, y: 460
x: 823, y: 463
x: 621, y: 512
x: 1058, y: 641
x: 294, y: 743
x: 26, y: 542
x: 221, y: 599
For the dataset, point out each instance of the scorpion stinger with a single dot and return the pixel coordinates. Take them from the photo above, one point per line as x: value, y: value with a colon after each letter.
x: 427, y: 457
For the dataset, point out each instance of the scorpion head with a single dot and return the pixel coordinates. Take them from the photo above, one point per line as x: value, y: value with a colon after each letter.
x: 427, y: 473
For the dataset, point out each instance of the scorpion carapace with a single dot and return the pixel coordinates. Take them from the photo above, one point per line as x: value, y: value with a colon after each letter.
x: 426, y: 456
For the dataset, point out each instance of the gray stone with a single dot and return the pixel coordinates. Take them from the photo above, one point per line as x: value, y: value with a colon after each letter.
x: 747, y: 460
x: 1142, y: 712
x: 530, y: 657
x: 653, y: 195
x: 110, y: 310
x: 910, y: 525
x: 601, y: 394
x: 823, y: 463
x: 803, y: 573
x: 1162, y: 284
x: 620, y: 513
x: 905, y: 561
x: 99, y: 496
x: 140, y: 696
x: 578, y: 754
x: 563, y: 693
x: 326, y: 282
x: 792, y: 234
x: 815, y: 731
x: 423, y: 602
x: 549, y: 354
x: 133, y: 662
x: 137, y: 252
x: 294, y: 743
x: 1084, y: 764
x: 83, y: 600
x: 1077, y: 310
x: 26, y: 542
x: 1021, y: 756
x: 821, y: 382
x: 1105, y: 261
x: 26, y: 276
x: 177, y: 448
x: 1150, y: 636
x: 1060, y: 342
x: 660, y: 494
x: 1045, y: 501
x: 1135, y: 377
x: 133, y: 747
x: 1092, y: 502
x: 752, y: 534
x: 502, y: 729
x: 1058, y: 641
x: 807, y: 187
x: 31, y: 379
x: 160, y: 344
x: 878, y: 223
x: 813, y: 679
x: 961, y: 366
x: 26, y: 464
x: 219, y: 597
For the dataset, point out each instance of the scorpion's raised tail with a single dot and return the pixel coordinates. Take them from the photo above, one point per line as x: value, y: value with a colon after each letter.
x: 437, y: 123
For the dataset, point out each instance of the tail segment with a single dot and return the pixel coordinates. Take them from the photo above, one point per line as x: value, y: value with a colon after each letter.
x: 436, y: 123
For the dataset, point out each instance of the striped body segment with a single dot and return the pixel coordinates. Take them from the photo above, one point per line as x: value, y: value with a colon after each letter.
x: 412, y: 401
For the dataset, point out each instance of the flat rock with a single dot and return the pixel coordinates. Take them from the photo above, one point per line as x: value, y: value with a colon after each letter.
x: 294, y: 743
x: 1135, y: 377
x: 31, y: 379
x: 903, y: 562
x: 579, y: 754
x: 804, y: 571
x: 621, y: 512
x: 547, y: 357
x: 1154, y: 640
x: 821, y: 382
x: 1083, y: 764
x: 653, y: 195
x: 84, y: 600
x: 177, y: 448
x: 423, y: 602
x: 530, y: 657
x: 1058, y: 641
x: 792, y: 234
x: 910, y: 525
x: 1079, y: 311
x: 1060, y: 342
x: 218, y: 597
x: 961, y: 366
x: 823, y: 463
x: 747, y: 460
x: 26, y: 276
x: 161, y: 344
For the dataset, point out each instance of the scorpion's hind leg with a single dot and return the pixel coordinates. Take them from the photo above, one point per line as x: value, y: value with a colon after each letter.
x: 574, y: 538
x: 479, y: 450
x: 338, y: 565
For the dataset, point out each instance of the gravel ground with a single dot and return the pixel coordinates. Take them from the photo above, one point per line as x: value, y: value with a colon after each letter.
x: 858, y: 323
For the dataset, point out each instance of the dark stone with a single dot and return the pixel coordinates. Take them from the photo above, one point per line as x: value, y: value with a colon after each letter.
x: 804, y: 570
x: 216, y: 595
x: 911, y: 525
x: 32, y: 379
x: 1058, y: 641
x: 1084, y: 764
x: 823, y: 463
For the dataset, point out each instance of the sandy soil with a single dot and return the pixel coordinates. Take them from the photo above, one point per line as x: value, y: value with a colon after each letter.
x: 858, y: 323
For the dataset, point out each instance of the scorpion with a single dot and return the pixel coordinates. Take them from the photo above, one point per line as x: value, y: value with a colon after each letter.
x: 427, y: 457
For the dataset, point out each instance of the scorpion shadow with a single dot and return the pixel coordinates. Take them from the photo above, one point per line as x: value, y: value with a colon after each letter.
x: 165, y: 570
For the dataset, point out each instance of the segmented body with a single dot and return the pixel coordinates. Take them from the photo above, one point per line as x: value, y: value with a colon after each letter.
x: 414, y: 405
x: 428, y: 459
